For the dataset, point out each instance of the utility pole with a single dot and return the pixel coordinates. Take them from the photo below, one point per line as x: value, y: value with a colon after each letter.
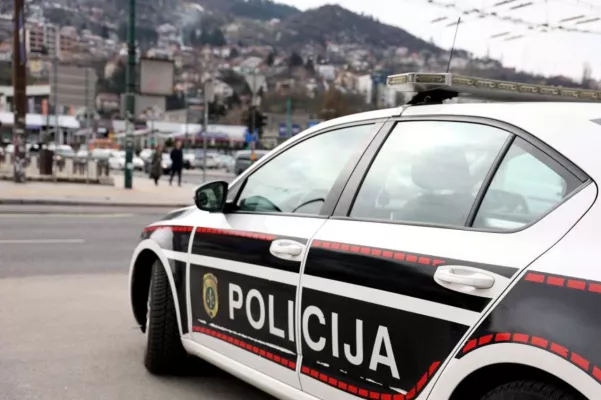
x: 289, y: 116
x: 20, y: 89
x: 187, y: 116
x: 58, y: 136
x: 131, y: 93
x: 255, y: 82
x: 87, y: 110
x: 209, y: 97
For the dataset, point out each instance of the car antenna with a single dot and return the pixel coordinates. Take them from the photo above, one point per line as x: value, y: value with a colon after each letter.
x: 453, y: 47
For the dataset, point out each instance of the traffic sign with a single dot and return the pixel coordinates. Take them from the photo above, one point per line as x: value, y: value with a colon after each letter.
x: 255, y: 82
x: 379, y: 77
x: 282, y: 130
x: 296, y: 129
x: 249, y: 138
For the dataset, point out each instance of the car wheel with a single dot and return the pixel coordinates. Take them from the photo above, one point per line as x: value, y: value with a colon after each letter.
x: 528, y: 390
x: 165, y: 353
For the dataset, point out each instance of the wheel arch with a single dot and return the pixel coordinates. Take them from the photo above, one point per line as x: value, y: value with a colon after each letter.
x: 504, y: 362
x: 145, y: 255
x: 483, y: 380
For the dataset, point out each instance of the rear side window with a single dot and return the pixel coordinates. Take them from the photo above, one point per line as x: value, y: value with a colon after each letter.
x: 429, y: 172
x: 527, y: 185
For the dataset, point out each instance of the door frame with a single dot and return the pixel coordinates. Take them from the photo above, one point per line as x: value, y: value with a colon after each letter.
x: 379, y: 124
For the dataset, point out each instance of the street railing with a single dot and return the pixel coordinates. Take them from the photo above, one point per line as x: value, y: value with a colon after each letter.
x: 63, y: 169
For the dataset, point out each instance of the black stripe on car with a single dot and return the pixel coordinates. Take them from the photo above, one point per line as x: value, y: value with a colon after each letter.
x: 244, y: 306
x: 554, y: 313
x: 242, y: 246
x: 393, y: 271
x: 365, y: 342
x: 169, y: 237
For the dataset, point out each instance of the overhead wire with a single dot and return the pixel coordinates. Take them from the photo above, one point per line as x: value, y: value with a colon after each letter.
x: 482, y: 13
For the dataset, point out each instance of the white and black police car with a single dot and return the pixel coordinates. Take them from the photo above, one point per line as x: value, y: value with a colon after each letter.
x: 432, y: 251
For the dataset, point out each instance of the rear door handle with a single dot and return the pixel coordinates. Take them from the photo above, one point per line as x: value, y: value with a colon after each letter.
x: 287, y: 249
x: 468, y: 277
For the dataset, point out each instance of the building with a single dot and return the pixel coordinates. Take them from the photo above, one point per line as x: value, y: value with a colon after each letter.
x: 42, y: 36
x: 75, y: 86
x: 59, y: 42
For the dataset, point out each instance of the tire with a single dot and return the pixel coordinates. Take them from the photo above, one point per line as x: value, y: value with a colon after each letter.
x: 528, y: 390
x: 165, y: 353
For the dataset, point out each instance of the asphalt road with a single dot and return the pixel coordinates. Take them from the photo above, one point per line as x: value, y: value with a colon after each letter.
x: 66, y: 327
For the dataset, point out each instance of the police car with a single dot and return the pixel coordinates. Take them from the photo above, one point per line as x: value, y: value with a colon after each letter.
x: 432, y: 251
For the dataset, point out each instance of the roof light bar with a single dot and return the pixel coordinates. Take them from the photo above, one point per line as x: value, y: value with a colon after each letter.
x: 487, y: 89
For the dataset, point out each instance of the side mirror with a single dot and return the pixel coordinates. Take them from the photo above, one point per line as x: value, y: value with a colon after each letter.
x: 211, y: 196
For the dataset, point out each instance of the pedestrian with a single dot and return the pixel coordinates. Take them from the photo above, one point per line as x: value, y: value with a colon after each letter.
x: 155, y: 164
x: 177, y: 163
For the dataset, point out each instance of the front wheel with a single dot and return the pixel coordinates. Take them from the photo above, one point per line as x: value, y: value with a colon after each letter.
x: 165, y: 353
x: 528, y: 390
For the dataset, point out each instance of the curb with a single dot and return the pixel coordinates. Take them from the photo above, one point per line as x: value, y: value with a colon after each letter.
x: 57, y: 202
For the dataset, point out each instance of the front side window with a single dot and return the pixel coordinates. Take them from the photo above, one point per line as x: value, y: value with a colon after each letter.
x: 300, y: 179
x: 428, y: 172
x: 527, y: 186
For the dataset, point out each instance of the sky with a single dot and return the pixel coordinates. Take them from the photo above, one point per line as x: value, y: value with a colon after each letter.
x: 553, y: 52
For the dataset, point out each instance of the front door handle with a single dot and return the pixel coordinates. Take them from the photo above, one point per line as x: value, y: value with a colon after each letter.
x: 465, y: 276
x: 287, y: 249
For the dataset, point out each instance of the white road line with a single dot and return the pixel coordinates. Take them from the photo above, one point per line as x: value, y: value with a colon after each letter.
x: 42, y: 241
x: 42, y: 215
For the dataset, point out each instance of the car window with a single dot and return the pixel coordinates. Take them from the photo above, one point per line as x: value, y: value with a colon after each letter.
x: 428, y: 172
x: 299, y: 179
x: 527, y: 185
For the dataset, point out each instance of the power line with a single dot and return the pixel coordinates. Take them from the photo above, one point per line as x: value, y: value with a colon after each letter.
x: 482, y: 13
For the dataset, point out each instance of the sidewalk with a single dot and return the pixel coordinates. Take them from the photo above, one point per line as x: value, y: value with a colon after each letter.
x: 143, y: 194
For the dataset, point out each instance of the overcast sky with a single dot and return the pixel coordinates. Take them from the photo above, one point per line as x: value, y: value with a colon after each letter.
x: 548, y: 53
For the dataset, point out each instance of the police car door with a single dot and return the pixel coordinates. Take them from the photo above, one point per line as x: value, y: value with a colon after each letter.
x: 418, y: 247
x: 245, y: 263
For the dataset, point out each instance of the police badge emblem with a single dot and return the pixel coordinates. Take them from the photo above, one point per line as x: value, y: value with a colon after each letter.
x: 210, y: 296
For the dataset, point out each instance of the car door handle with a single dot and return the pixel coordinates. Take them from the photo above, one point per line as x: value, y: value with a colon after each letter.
x: 287, y: 249
x: 466, y: 276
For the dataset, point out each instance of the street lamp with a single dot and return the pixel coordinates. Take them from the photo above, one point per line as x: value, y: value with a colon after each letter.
x: 131, y: 93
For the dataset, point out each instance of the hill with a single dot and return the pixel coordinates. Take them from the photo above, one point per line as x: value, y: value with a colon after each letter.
x: 337, y: 24
x: 263, y: 10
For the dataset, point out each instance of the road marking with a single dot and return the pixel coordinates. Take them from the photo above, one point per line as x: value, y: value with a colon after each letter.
x: 56, y: 215
x: 42, y: 241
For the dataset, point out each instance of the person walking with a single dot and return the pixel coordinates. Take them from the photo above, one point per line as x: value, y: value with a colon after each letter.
x: 155, y: 164
x: 177, y: 163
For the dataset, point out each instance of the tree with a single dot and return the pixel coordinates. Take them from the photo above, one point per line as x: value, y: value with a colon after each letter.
x: 310, y: 66
x: 234, y: 53
x: 217, y: 38
x: 270, y: 59
x: 334, y: 104
x: 295, y: 60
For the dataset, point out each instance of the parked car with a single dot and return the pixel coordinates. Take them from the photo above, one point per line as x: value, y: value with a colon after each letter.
x: 61, y: 153
x: 432, y: 251
x: 117, y: 161
x: 223, y: 160
x: 189, y: 159
x: 243, y: 159
x: 211, y: 160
